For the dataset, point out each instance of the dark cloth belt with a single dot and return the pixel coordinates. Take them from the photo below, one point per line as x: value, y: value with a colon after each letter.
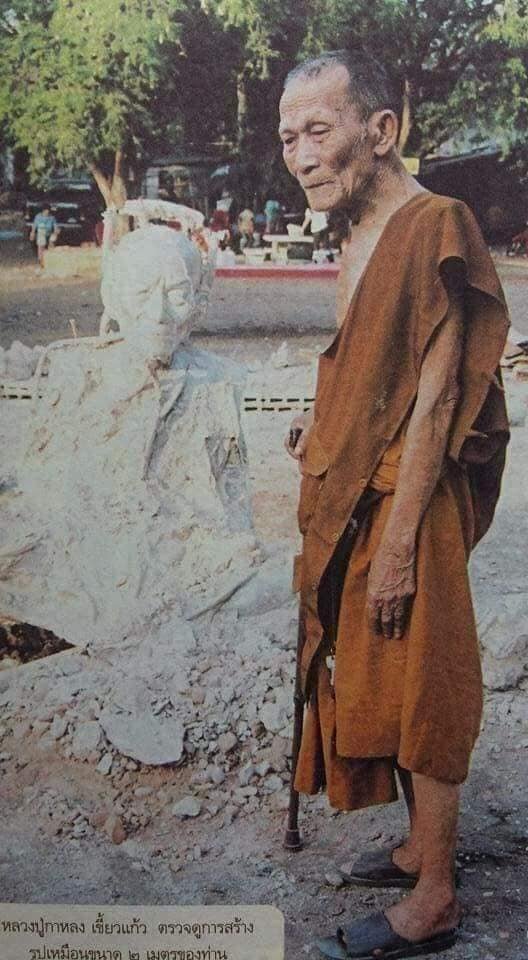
x: 331, y: 586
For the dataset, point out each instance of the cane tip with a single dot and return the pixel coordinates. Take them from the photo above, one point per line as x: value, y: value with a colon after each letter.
x: 292, y: 840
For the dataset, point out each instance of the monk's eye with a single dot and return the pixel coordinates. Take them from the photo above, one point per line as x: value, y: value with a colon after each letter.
x: 288, y: 141
x: 319, y: 131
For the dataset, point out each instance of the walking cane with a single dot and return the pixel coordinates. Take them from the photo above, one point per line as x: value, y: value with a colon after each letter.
x: 292, y: 839
x: 334, y: 585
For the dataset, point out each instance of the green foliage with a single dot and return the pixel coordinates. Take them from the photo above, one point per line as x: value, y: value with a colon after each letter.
x: 80, y: 79
x: 77, y: 76
x: 508, y: 30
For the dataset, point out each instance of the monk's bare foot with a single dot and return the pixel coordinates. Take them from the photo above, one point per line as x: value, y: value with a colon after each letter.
x: 428, y: 910
x: 408, y: 856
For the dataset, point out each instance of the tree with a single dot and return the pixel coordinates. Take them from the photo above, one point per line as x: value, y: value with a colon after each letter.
x: 509, y: 30
x: 77, y: 78
x: 451, y: 56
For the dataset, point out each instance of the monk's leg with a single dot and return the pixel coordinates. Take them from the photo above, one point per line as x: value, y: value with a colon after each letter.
x: 432, y: 907
x: 408, y: 856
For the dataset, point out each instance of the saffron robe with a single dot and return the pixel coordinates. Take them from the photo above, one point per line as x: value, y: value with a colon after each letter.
x: 416, y: 700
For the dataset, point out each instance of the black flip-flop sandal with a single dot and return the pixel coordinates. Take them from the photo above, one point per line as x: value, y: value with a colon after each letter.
x: 374, y: 939
x: 377, y: 869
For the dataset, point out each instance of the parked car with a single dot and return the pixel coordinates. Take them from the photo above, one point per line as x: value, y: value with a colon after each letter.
x: 75, y: 203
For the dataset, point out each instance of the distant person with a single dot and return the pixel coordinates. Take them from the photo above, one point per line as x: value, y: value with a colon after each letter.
x: 272, y: 210
x: 260, y: 227
x: 246, y: 228
x: 219, y: 220
x: 44, y: 232
x: 226, y: 201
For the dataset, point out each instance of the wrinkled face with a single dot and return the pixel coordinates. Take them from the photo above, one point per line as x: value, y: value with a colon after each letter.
x: 325, y: 144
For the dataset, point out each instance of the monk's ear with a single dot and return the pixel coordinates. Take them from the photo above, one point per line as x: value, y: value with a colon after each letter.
x: 383, y: 128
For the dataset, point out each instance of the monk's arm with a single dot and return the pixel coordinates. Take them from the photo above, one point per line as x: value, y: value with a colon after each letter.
x: 392, y: 582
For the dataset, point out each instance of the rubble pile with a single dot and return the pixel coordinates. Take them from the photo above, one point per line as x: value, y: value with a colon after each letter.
x: 223, y: 709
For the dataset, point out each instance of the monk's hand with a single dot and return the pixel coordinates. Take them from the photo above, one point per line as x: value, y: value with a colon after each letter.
x: 391, y: 586
x: 297, y: 437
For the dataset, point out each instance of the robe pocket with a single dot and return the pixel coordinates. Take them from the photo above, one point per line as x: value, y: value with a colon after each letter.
x: 315, y: 464
x: 297, y: 573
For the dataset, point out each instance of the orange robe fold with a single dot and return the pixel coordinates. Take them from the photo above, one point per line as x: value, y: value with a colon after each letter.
x: 417, y: 700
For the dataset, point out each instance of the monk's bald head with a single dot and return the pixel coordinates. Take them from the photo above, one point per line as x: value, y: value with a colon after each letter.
x: 370, y: 88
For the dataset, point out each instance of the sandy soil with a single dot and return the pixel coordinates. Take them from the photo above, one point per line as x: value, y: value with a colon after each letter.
x: 52, y: 847
x: 37, y: 309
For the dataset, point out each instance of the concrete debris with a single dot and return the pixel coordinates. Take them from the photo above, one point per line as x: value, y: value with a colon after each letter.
x: 86, y: 739
x: 144, y: 737
x: 215, y: 775
x: 58, y: 727
x: 246, y: 774
x: 280, y: 801
x: 187, y: 807
x: 273, y: 716
x: 142, y: 792
x: 113, y: 827
x: 262, y: 768
x: 503, y: 631
x: 227, y: 742
x: 105, y: 764
x: 272, y: 784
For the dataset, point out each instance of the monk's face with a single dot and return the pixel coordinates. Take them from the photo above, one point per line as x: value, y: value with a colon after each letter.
x: 326, y: 145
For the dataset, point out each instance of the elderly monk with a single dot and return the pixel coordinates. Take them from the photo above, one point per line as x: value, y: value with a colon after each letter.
x: 401, y: 464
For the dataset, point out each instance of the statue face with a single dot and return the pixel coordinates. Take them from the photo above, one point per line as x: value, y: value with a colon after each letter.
x: 326, y: 146
x: 149, y: 289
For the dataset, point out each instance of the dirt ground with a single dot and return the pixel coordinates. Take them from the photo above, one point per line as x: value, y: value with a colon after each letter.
x: 37, y: 309
x: 52, y: 847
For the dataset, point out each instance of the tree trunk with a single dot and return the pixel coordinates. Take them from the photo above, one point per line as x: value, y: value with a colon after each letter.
x: 242, y: 112
x: 114, y: 191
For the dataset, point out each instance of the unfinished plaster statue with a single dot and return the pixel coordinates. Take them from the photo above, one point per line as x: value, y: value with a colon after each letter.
x: 146, y: 524
x: 156, y: 283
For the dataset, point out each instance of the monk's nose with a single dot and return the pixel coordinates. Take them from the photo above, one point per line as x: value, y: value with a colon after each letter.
x: 306, y: 158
